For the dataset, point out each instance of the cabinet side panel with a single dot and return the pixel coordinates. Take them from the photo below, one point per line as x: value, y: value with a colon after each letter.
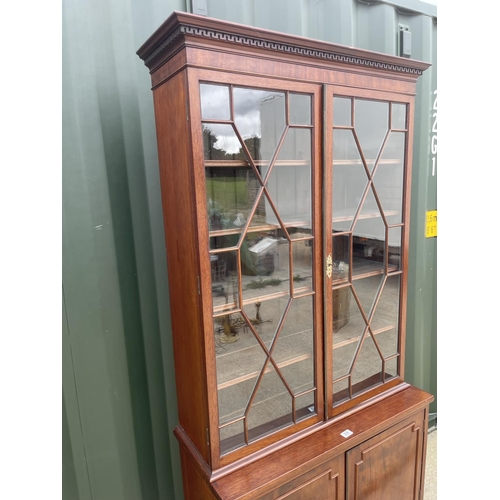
x: 174, y: 152
x: 195, y: 487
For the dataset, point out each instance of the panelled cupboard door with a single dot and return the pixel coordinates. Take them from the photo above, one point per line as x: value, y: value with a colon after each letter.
x: 388, y: 466
x: 366, y: 225
x: 325, y: 482
x: 257, y: 161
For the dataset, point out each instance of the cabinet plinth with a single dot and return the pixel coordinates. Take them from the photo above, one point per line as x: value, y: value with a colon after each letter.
x: 285, y: 168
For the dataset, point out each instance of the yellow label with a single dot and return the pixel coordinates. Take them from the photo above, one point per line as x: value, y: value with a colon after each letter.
x: 431, y: 224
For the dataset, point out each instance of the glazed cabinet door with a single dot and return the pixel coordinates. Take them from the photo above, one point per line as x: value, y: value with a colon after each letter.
x: 367, y: 206
x: 257, y: 157
x: 388, y: 466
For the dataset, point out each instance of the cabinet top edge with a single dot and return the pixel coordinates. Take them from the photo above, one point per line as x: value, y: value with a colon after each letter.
x: 159, y: 46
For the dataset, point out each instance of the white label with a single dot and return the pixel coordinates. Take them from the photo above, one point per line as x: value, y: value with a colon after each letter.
x: 346, y: 433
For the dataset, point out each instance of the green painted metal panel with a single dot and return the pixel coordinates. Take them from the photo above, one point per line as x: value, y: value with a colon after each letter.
x: 119, y: 401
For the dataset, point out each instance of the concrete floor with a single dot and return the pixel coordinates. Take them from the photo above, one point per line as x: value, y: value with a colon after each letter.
x: 430, y: 492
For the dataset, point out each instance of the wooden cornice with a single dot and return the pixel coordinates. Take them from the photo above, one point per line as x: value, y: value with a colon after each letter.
x: 165, y: 42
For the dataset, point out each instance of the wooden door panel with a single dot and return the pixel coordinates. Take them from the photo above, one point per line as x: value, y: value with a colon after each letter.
x: 388, y: 466
x: 325, y: 482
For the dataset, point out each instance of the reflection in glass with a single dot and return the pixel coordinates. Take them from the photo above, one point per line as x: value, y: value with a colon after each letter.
x: 349, y: 179
x: 398, y: 116
x: 368, y: 242
x: 259, y: 116
x: 394, y: 248
x: 388, y: 179
x: 300, y: 109
x: 371, y: 125
x: 214, y: 102
x: 225, y: 284
x: 289, y: 183
x: 272, y: 405
x: 386, y: 314
x: 341, y: 391
x: 293, y: 351
x: 387, y: 340
x: 340, y: 256
x: 232, y: 437
x: 265, y: 317
x: 221, y: 143
x: 304, y: 406
x: 341, y: 112
x: 231, y: 195
x: 367, y: 290
x: 239, y: 364
x: 391, y: 368
x: 302, y: 252
x: 367, y: 370
x: 343, y: 355
x: 342, y: 312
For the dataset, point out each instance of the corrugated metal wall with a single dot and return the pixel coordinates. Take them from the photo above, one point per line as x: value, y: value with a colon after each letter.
x: 119, y: 404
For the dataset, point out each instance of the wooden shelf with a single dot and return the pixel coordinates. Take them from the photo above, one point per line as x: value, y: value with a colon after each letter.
x: 257, y: 163
x: 356, y: 339
x: 256, y: 373
x: 347, y: 215
x: 304, y: 223
x: 369, y: 161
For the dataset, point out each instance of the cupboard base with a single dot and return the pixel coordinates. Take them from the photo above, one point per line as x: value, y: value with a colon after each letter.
x: 383, y: 458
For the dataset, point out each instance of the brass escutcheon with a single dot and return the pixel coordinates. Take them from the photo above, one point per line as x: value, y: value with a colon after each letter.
x: 329, y: 266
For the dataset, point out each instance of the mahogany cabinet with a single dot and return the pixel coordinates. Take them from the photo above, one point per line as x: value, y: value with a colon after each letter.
x: 285, y: 168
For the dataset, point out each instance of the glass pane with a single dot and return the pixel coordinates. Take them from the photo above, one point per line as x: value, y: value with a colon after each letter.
x: 272, y: 407
x: 232, y: 437
x: 302, y: 252
x: 221, y: 143
x: 394, y: 249
x: 341, y: 391
x: 224, y: 281
x: 388, y: 178
x: 398, y: 116
x: 391, y: 368
x: 293, y: 352
x: 341, y: 111
x: 367, y: 290
x: 259, y: 116
x: 231, y: 194
x: 349, y: 179
x: 386, y: 315
x: 348, y: 323
x: 214, y: 102
x: 239, y: 364
x: 300, y: 109
x: 265, y: 264
x: 367, y: 370
x: 289, y: 184
x: 387, y: 340
x: 343, y: 355
x: 368, y: 242
x: 304, y: 406
x: 340, y: 256
x: 371, y: 125
x: 266, y: 317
